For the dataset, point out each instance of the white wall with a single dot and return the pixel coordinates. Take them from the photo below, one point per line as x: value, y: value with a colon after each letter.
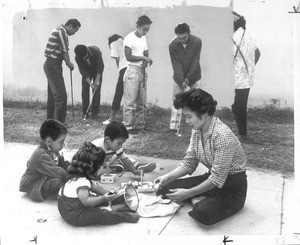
x: 268, y: 22
x: 271, y: 25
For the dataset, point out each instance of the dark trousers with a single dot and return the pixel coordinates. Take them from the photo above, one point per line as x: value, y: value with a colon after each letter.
x: 119, y: 91
x: 74, y: 213
x: 85, y: 96
x: 219, y: 204
x: 57, y: 95
x: 239, y: 109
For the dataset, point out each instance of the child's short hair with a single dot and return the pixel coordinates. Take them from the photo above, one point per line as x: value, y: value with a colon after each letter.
x: 52, y: 128
x: 115, y: 130
x: 87, y: 160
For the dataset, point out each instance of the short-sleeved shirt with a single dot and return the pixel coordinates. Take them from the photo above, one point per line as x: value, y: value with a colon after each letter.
x: 110, y: 155
x: 220, y: 152
x: 58, y: 43
x: 244, y: 62
x: 74, y: 185
x: 117, y: 51
x: 137, y: 45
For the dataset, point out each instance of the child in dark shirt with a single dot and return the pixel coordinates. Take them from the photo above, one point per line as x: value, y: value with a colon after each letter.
x: 46, y: 168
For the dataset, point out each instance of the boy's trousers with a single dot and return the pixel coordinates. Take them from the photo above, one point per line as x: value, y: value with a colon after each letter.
x: 135, y: 95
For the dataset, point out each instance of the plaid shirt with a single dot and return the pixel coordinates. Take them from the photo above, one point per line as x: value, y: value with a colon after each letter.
x: 58, y: 43
x: 220, y: 152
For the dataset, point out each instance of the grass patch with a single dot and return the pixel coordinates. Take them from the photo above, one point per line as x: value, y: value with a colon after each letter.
x: 270, y: 144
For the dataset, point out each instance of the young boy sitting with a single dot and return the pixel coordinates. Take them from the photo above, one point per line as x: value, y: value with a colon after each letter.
x: 115, y: 135
x: 46, y: 168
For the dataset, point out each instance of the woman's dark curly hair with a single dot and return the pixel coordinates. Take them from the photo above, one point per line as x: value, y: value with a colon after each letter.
x: 197, y: 100
x: 87, y: 160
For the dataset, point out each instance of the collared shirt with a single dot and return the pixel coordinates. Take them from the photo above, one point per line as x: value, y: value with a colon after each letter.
x: 186, y: 60
x: 117, y: 51
x: 220, y: 152
x: 58, y: 43
x: 94, y: 65
x: 244, y: 62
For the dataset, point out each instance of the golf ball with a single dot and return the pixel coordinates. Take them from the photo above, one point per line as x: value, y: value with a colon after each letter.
x: 179, y: 135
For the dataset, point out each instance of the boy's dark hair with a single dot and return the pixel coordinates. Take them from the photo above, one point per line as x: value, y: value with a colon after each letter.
x: 240, y: 22
x: 143, y: 20
x: 182, y: 28
x: 87, y: 160
x: 80, y: 51
x: 74, y: 22
x: 197, y: 100
x: 115, y: 130
x: 113, y: 38
x: 52, y: 128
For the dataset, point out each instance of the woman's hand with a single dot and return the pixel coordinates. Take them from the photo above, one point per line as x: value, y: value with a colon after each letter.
x: 178, y: 195
x: 161, y: 181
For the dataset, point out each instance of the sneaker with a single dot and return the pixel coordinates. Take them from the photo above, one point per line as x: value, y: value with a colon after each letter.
x: 95, y: 117
x: 106, y: 122
x: 173, y: 131
x: 129, y: 127
x: 242, y: 138
x: 146, y: 167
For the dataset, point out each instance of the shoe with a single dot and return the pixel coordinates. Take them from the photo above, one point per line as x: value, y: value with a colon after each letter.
x: 106, y: 122
x: 146, y: 167
x: 130, y: 217
x: 242, y: 138
x: 129, y: 127
x: 95, y: 116
x: 173, y: 131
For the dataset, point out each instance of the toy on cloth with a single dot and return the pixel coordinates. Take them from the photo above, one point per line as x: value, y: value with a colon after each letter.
x: 155, y: 206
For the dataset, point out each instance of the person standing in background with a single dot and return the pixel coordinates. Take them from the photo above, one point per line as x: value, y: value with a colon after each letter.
x: 246, y: 55
x: 115, y: 42
x: 91, y: 66
x: 135, y: 77
x: 185, y: 52
x: 57, y: 50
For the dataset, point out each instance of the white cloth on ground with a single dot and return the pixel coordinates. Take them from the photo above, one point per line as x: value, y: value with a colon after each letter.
x: 155, y: 206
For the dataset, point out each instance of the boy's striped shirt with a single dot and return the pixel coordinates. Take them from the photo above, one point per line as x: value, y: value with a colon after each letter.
x: 58, y: 43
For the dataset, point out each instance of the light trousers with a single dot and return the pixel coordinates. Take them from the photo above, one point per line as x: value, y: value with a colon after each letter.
x: 176, y: 115
x: 135, y: 96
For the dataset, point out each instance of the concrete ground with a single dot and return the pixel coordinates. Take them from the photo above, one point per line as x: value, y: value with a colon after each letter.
x: 270, y: 209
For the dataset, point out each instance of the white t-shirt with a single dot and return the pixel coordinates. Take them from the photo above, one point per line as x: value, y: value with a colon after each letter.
x: 73, y: 185
x: 110, y: 155
x: 117, y: 51
x: 137, y: 45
